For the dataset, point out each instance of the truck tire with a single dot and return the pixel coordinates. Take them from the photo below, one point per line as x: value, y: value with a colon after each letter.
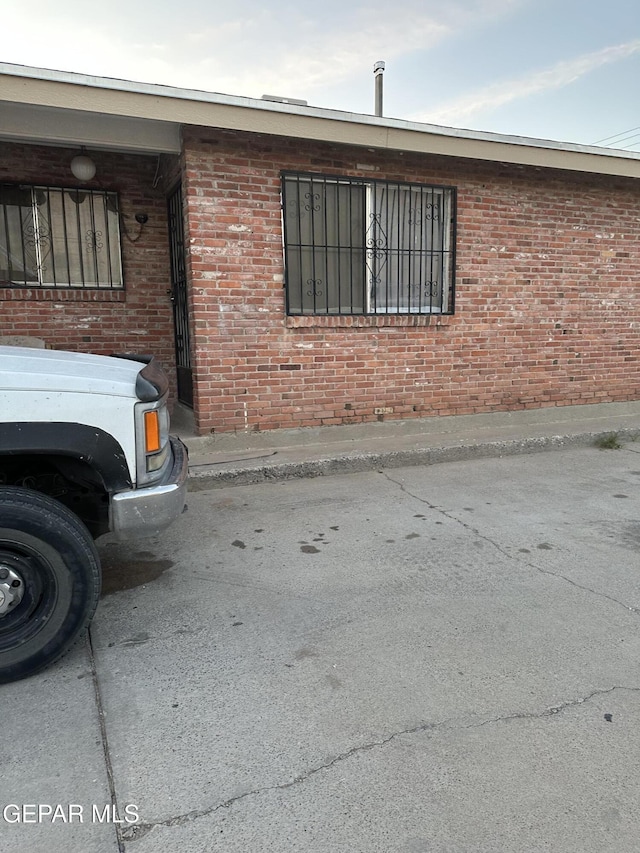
x: 49, y: 581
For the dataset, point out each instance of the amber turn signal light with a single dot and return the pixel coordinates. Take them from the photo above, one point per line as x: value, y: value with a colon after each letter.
x: 151, y: 432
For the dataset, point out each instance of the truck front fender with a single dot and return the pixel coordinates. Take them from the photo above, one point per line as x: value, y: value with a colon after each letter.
x: 88, y: 444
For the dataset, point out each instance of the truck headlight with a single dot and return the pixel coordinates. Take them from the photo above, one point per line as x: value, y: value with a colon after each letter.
x: 153, y: 440
x: 157, y: 460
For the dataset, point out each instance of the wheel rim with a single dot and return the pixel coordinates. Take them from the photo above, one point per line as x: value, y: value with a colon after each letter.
x: 11, y: 588
x: 28, y: 593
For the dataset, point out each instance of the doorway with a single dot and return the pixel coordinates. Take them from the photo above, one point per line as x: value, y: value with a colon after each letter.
x: 179, y: 298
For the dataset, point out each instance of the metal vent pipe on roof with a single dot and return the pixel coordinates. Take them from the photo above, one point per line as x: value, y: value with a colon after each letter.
x: 378, y: 71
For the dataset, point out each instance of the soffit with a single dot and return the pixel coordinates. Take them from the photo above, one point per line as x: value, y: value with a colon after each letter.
x: 55, y: 126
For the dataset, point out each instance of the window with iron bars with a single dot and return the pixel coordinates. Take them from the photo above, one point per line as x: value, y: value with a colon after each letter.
x: 59, y: 238
x: 359, y: 246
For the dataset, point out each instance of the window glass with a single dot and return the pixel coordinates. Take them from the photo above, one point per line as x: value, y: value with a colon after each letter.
x: 52, y: 237
x: 354, y: 246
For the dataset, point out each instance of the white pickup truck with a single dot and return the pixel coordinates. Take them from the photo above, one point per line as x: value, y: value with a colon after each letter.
x: 84, y: 450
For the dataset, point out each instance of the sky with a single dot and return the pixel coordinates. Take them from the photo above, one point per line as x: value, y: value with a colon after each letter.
x: 565, y: 70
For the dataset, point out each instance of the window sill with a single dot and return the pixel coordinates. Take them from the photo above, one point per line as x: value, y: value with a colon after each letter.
x: 367, y: 321
x: 37, y: 294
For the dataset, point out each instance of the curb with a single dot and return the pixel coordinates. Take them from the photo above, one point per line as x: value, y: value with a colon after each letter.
x: 208, y: 475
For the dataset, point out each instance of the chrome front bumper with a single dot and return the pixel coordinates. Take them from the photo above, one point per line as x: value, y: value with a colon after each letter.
x: 144, y: 512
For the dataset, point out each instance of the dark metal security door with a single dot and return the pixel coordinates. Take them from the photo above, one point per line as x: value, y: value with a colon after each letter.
x: 179, y: 298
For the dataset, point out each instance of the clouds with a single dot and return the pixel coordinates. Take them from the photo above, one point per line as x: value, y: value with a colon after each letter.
x: 301, y: 49
x: 310, y: 56
x: 497, y: 95
x: 467, y: 54
x: 244, y: 48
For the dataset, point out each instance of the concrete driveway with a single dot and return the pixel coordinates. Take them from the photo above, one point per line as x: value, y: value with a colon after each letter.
x: 421, y: 660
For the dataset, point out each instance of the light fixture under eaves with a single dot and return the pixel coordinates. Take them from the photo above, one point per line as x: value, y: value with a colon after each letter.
x: 82, y: 167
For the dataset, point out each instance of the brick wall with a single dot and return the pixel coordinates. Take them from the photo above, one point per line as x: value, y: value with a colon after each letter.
x: 137, y: 319
x: 547, y: 300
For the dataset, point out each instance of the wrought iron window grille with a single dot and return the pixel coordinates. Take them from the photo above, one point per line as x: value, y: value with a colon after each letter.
x: 54, y: 237
x: 360, y: 246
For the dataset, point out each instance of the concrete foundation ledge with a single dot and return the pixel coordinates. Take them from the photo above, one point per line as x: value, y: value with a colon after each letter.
x: 288, y: 463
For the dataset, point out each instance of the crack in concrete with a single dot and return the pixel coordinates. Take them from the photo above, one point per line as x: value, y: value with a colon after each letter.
x: 554, y: 709
x: 136, y: 832
x: 104, y: 739
x: 629, y: 608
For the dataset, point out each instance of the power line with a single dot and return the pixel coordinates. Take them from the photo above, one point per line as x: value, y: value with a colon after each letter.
x: 615, y: 136
x: 619, y: 142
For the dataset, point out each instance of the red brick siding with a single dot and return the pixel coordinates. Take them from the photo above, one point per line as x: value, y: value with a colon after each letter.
x: 137, y: 319
x: 547, y: 302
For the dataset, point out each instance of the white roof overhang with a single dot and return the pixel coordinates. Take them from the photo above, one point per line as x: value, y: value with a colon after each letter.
x: 56, y: 107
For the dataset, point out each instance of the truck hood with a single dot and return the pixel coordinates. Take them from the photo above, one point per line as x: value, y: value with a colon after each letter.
x: 26, y: 369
